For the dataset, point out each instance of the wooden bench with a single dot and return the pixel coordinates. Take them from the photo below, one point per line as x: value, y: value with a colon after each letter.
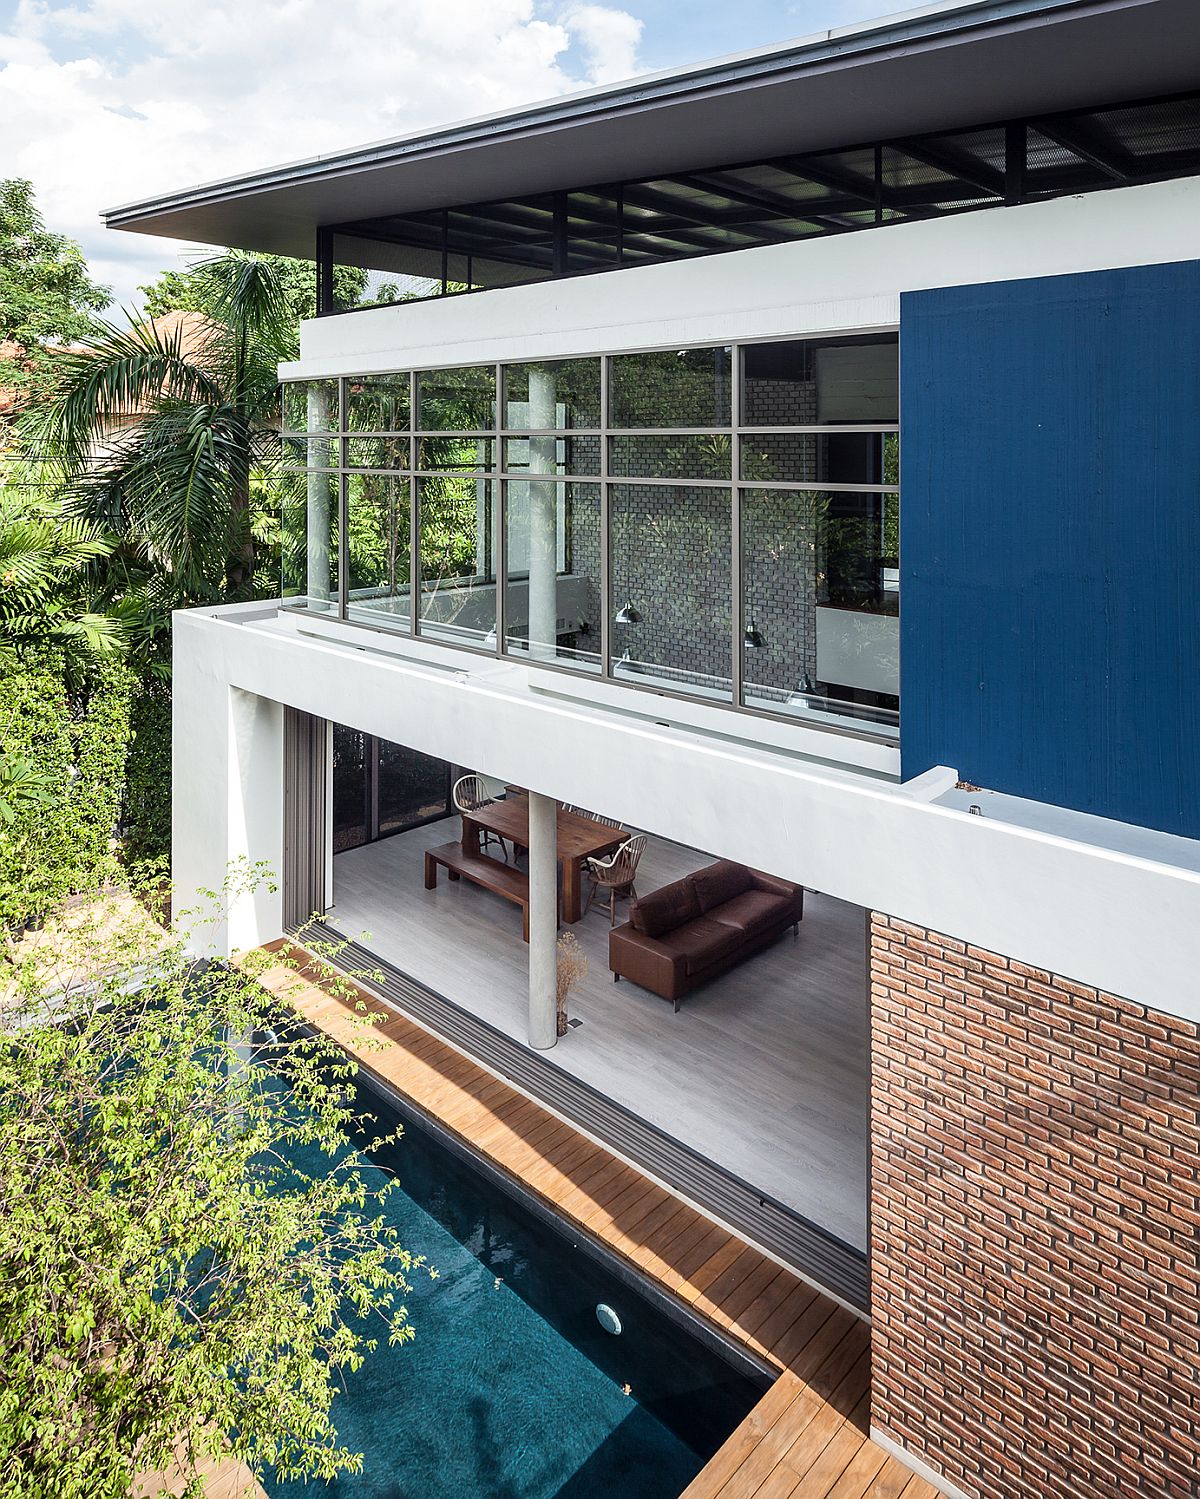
x: 499, y: 878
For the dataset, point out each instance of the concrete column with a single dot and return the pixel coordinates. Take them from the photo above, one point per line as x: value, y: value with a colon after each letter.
x: 543, y: 920
x: 318, y: 509
x: 543, y: 519
x: 226, y: 794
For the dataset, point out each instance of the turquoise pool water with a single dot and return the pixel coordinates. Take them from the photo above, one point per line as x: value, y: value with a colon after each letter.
x: 512, y: 1390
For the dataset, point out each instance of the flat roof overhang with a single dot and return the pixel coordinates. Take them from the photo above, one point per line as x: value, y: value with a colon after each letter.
x: 938, y: 68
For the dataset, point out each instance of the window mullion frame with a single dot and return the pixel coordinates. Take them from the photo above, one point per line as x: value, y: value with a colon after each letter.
x: 606, y: 602
x: 736, y: 602
x: 414, y: 514
x: 498, y: 499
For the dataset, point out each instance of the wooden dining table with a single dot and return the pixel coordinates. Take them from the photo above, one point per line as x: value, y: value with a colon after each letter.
x: 579, y: 839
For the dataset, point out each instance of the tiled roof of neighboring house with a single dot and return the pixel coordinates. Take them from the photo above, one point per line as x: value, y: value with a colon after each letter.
x: 10, y: 353
x: 193, y: 329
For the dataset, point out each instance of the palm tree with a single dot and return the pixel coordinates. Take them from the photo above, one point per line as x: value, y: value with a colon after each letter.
x: 45, y: 556
x: 156, y: 440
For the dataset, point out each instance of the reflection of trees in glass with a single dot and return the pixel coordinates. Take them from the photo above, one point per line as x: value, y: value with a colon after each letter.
x: 292, y: 491
x: 665, y: 543
x: 450, y: 517
x: 377, y: 532
x: 576, y: 389
x: 673, y: 455
x: 689, y: 388
x: 462, y: 400
x: 377, y: 403
x: 783, y: 529
x: 852, y: 561
x: 761, y: 466
x: 891, y: 502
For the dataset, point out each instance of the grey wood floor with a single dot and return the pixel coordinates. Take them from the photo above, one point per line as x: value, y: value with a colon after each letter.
x: 764, y: 1070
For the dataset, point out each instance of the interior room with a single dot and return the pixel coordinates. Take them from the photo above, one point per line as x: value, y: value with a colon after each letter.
x: 751, y: 1049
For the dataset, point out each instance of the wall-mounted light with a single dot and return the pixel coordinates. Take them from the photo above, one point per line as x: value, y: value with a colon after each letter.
x: 805, y: 689
x: 754, y: 639
x: 629, y: 615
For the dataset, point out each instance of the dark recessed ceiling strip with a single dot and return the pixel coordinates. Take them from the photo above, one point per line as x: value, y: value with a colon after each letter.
x: 713, y: 210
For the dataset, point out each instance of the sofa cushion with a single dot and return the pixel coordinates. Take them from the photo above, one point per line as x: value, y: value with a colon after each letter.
x: 665, y: 909
x: 754, y: 912
x: 701, y: 943
x: 721, y: 882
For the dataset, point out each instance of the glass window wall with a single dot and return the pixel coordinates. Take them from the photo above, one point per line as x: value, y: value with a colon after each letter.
x: 555, y: 395
x: 552, y: 598
x: 458, y: 579
x: 721, y: 523
x: 671, y: 605
x: 379, y: 564
x: 458, y: 400
x: 671, y: 388
x: 378, y: 403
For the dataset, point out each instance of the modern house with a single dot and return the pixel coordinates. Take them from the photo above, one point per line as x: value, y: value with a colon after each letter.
x: 794, y: 460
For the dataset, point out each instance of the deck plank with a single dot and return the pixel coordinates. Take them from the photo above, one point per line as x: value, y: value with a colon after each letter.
x: 860, y: 1472
x: 808, y: 1434
x: 828, y: 1465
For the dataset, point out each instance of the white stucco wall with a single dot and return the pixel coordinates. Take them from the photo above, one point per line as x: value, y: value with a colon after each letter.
x: 1126, y: 922
x: 226, y: 797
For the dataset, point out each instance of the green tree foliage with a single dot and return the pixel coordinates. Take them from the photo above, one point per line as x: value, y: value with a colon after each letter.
x: 23, y: 784
x: 73, y: 729
x: 45, y: 586
x: 146, y: 808
x: 159, y: 439
x: 46, y: 296
x: 191, y: 1254
x: 192, y: 290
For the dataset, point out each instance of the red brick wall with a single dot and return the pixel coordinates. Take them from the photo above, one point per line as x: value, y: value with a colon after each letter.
x: 1035, y: 1204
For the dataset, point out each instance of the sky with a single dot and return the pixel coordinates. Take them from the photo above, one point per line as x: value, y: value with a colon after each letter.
x: 103, y: 102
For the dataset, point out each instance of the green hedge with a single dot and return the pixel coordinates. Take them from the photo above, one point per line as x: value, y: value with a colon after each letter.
x: 146, y: 814
x: 76, y: 730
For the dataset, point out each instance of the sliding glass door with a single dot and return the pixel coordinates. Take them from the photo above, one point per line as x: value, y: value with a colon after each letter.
x: 381, y: 788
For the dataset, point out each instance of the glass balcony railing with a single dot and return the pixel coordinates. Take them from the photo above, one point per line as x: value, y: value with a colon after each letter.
x: 720, y: 522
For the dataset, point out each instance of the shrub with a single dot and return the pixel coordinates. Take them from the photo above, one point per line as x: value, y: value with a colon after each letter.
x: 146, y: 811
x: 191, y: 1252
x: 75, y: 731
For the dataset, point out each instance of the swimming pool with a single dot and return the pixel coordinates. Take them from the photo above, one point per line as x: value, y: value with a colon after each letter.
x: 512, y: 1389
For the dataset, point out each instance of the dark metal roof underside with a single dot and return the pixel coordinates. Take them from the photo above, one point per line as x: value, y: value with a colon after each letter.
x: 991, y: 59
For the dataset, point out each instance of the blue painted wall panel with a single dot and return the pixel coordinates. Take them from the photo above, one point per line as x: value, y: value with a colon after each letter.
x: 1050, y: 540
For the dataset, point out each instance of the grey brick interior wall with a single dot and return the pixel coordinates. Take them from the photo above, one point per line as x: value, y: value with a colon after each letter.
x: 671, y: 542
x: 670, y: 551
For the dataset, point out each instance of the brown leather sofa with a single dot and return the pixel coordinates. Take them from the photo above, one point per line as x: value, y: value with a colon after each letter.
x: 686, y: 933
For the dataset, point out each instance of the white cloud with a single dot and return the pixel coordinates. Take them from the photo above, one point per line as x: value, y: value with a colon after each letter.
x: 608, y: 38
x: 108, y: 101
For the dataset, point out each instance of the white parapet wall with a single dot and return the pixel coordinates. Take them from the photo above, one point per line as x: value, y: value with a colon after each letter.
x: 226, y: 795
x: 838, y: 283
x: 1080, y: 906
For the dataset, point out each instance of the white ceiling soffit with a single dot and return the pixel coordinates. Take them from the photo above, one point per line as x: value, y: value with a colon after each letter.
x: 934, y: 69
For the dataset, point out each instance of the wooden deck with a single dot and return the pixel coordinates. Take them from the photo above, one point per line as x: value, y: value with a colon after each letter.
x: 224, y: 1478
x: 808, y: 1434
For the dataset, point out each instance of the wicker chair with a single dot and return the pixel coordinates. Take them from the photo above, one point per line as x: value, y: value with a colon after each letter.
x: 469, y: 794
x: 591, y: 816
x: 616, y: 875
